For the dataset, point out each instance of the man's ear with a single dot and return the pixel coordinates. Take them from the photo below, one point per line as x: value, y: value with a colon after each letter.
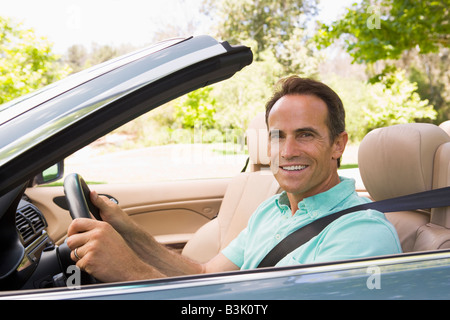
x: 339, y: 145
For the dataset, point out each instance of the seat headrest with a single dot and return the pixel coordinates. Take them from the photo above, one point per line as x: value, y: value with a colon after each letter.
x: 257, y: 138
x: 445, y: 126
x: 399, y: 159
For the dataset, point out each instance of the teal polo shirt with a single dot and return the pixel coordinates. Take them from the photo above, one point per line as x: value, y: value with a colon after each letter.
x: 355, y: 235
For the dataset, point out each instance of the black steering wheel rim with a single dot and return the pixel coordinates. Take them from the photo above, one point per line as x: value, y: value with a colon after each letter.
x: 79, y: 203
x: 78, y: 198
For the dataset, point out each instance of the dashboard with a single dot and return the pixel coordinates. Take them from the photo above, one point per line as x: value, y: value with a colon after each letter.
x: 31, y: 227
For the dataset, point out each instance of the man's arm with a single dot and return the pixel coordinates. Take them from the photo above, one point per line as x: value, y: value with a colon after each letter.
x: 169, y: 262
x: 119, y: 249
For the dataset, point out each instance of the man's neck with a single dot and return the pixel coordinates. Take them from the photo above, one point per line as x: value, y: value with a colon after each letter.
x: 295, y: 199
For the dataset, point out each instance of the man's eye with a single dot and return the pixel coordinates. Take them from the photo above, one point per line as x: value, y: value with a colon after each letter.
x: 305, y: 135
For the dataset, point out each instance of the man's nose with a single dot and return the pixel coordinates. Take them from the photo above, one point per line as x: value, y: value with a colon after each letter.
x: 289, y: 148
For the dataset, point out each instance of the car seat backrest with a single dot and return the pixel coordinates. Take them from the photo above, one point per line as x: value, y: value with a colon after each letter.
x: 435, y: 235
x: 257, y: 138
x: 244, y: 194
x: 405, y: 159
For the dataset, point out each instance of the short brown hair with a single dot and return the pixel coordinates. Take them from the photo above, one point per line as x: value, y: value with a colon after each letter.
x: 295, y: 85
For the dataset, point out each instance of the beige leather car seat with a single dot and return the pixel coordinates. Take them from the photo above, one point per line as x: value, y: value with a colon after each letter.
x: 243, y: 195
x: 445, y: 126
x: 405, y: 159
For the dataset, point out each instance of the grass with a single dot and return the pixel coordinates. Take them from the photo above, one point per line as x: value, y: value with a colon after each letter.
x: 349, y: 166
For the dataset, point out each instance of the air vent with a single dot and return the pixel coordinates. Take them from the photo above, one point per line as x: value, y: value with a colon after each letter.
x: 29, y: 223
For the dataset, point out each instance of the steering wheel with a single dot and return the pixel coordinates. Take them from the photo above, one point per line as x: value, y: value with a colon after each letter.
x: 79, y: 202
x: 78, y: 198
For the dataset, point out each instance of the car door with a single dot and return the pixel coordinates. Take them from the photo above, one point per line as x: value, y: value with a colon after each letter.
x: 171, y: 211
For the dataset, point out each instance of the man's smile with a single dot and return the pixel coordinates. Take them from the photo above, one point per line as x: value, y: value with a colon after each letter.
x: 294, y: 167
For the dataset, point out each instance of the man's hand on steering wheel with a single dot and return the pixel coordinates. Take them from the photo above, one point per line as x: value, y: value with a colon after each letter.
x: 97, y: 247
x: 101, y: 251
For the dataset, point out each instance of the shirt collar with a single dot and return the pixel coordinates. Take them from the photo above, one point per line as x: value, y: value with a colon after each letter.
x: 323, y: 203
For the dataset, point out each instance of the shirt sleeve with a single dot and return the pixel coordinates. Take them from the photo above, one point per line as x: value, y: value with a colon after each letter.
x: 235, y: 251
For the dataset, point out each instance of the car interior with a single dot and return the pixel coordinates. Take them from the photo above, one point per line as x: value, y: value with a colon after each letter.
x: 386, y: 158
x: 200, y: 217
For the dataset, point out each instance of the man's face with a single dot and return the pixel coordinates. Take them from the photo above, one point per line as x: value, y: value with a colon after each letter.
x: 303, y: 159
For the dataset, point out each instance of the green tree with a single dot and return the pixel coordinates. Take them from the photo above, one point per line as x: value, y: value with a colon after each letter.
x: 394, y: 100
x: 431, y: 72
x: 76, y: 57
x: 27, y: 62
x: 275, y: 32
x: 196, y: 108
x: 267, y: 22
x: 392, y: 35
x: 384, y: 29
x: 244, y: 95
x: 298, y: 55
x: 102, y: 53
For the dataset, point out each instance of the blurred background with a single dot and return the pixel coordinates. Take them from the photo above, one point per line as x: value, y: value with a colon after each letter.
x: 387, y: 59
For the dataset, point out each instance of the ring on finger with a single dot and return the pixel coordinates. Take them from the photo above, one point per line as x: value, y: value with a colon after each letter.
x: 75, y: 253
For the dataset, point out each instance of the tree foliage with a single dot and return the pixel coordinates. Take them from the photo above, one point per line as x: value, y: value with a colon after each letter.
x: 384, y: 29
x: 431, y: 72
x: 27, y: 62
x: 275, y: 32
x: 282, y: 47
x: 268, y: 23
x: 392, y: 100
x: 196, y: 108
x: 79, y: 58
x: 393, y: 35
x: 403, y: 44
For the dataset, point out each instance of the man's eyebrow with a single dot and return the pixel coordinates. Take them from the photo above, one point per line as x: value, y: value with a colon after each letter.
x: 307, y: 129
x: 299, y: 130
x: 280, y: 133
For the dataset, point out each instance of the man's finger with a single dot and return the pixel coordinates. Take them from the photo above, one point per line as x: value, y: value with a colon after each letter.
x: 80, y: 225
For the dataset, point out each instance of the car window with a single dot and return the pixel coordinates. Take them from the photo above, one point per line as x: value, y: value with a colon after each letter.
x: 154, y: 147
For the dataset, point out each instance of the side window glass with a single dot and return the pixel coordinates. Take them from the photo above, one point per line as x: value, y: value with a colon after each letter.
x: 155, y: 147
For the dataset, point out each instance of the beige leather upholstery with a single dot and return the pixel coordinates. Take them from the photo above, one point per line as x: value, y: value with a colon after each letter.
x: 445, y: 126
x: 257, y: 138
x: 404, y: 159
x: 244, y: 194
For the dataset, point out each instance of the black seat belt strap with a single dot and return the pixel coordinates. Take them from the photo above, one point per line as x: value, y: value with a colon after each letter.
x: 435, y: 198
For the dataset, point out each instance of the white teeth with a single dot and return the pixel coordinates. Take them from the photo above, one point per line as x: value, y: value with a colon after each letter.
x: 294, y: 168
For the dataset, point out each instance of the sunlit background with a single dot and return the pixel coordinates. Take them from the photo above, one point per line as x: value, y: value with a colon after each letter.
x: 123, y: 22
x: 388, y: 61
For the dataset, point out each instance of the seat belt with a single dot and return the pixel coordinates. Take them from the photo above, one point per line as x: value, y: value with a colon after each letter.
x: 435, y: 198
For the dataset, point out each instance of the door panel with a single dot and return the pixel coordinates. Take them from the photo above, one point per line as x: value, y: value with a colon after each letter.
x: 171, y: 211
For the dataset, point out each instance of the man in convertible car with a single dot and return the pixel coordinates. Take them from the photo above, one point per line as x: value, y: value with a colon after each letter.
x: 306, y: 123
